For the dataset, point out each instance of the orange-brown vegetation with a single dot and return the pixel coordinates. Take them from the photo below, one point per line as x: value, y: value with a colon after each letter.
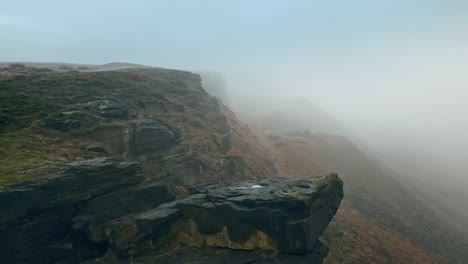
x: 354, y: 238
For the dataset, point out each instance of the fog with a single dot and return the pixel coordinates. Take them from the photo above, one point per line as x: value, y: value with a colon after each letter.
x: 393, y: 72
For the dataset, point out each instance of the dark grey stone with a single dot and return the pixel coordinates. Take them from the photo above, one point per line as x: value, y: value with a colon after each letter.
x: 68, y: 120
x: 96, y: 148
x: 36, y: 217
x: 293, y: 214
x: 104, y: 207
x: 150, y: 138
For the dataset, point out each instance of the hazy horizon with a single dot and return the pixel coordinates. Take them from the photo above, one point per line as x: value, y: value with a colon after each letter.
x: 393, y: 72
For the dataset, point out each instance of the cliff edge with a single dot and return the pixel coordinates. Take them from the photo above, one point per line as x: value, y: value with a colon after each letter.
x: 103, y: 210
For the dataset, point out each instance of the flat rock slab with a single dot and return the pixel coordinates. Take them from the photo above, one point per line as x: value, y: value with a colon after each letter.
x: 278, y: 217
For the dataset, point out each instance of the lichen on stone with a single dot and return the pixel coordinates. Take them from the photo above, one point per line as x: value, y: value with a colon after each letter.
x: 186, y: 232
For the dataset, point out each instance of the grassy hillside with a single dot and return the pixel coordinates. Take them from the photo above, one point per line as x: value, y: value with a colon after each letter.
x: 49, y: 117
x: 355, y: 238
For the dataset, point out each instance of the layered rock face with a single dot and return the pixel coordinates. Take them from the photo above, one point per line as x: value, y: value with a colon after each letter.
x: 59, y: 218
x: 162, y: 118
x: 145, y: 140
x: 104, y: 207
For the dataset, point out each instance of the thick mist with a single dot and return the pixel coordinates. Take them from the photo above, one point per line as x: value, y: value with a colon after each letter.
x: 394, y: 73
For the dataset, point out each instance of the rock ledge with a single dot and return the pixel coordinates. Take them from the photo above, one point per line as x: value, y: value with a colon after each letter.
x: 104, y: 210
x: 267, y: 220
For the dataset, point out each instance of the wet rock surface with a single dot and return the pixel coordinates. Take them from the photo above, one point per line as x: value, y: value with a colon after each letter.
x: 179, y: 135
x: 247, y: 222
x: 96, y: 148
x: 151, y: 137
x: 104, y: 207
x: 56, y: 218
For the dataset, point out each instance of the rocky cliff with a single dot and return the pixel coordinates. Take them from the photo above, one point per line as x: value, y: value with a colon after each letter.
x: 103, y: 209
x: 143, y: 166
x: 162, y: 118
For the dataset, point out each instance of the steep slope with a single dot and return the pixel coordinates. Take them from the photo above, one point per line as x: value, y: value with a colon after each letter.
x: 139, y: 165
x: 305, y: 154
x: 163, y: 118
x: 436, y: 177
x: 215, y: 84
x: 377, y: 193
x: 356, y: 238
x: 298, y: 114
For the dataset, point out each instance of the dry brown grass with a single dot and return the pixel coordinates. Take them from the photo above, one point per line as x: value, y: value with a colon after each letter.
x: 354, y: 238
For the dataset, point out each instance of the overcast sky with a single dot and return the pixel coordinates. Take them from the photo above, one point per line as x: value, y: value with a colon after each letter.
x: 394, y: 67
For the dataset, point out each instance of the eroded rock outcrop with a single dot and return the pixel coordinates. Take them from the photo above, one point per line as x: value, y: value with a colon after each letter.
x: 163, y: 118
x: 178, y: 137
x: 105, y: 207
x: 59, y: 218
x: 245, y: 222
